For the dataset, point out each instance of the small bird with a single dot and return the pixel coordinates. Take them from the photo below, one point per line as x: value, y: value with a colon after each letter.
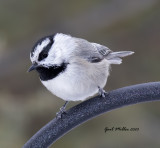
x: 73, y: 68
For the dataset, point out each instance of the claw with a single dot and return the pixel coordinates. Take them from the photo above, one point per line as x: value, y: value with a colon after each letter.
x: 62, y: 110
x: 102, y: 92
x: 60, y: 113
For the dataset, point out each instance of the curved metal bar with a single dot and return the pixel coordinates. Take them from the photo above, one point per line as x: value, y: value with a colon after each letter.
x: 89, y: 109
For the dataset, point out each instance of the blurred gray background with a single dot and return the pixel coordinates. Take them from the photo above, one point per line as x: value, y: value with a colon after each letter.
x: 25, y: 105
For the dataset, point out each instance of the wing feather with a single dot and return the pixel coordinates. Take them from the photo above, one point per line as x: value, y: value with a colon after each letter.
x: 93, y: 52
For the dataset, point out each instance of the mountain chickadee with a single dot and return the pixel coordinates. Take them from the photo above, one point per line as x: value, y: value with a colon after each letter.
x: 73, y: 68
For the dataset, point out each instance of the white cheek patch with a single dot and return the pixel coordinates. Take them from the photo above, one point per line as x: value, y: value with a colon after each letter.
x: 38, y: 49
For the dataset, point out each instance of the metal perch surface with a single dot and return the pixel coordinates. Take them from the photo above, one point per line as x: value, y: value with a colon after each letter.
x: 88, y: 109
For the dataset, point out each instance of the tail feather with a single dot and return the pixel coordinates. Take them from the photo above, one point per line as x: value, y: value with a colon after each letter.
x: 115, y: 57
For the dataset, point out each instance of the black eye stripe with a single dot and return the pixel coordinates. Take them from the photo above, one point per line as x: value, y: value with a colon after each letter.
x: 44, y: 53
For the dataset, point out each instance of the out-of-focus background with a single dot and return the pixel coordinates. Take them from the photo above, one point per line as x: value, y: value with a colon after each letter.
x: 25, y: 105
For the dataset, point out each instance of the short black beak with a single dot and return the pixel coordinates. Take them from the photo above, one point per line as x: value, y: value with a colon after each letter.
x: 33, y: 67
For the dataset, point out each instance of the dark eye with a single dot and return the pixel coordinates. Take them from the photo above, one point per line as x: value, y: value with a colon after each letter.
x: 42, y: 56
x: 44, y: 53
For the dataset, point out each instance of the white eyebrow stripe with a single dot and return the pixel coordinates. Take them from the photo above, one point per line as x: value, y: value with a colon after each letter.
x: 38, y: 49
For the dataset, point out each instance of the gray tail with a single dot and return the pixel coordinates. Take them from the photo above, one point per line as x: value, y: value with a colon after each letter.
x: 115, y: 57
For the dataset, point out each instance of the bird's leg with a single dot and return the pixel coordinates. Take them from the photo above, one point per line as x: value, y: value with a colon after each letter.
x: 102, y: 92
x: 62, y: 110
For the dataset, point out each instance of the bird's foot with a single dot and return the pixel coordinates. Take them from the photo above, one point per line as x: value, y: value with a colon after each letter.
x: 62, y: 110
x: 102, y: 92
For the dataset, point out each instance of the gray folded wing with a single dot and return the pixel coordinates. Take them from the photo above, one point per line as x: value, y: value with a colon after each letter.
x: 94, y: 52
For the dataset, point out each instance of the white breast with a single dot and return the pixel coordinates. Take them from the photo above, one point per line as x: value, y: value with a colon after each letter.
x: 80, y: 80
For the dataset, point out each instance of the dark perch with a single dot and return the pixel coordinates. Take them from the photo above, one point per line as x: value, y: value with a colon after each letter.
x: 90, y: 109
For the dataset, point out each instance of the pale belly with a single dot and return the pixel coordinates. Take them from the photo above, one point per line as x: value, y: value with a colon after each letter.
x: 78, y: 82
